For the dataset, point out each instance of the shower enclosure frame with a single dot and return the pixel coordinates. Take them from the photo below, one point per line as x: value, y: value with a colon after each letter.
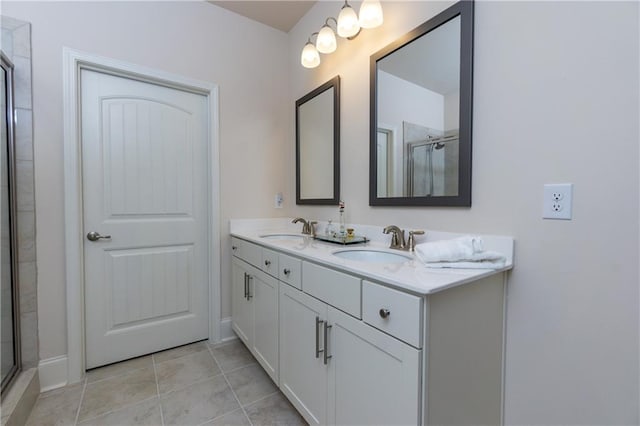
x: 9, y: 112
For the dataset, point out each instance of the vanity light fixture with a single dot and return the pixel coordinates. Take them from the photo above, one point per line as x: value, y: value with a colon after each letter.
x: 326, y: 40
x: 348, y: 25
x: 310, y: 56
x: 370, y: 14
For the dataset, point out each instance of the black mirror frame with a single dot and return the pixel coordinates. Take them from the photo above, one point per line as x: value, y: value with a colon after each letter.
x: 464, y: 9
x: 335, y: 84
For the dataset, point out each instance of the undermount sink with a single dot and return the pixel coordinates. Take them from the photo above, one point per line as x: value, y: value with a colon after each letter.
x: 374, y: 256
x: 281, y: 236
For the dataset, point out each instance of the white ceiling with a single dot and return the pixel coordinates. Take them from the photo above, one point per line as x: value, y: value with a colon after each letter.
x: 281, y: 15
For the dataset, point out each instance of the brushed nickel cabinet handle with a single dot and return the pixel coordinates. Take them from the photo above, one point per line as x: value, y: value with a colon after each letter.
x: 318, y: 350
x: 384, y: 313
x: 286, y: 271
x: 267, y: 262
x: 246, y: 285
x: 326, y: 342
x: 249, y: 295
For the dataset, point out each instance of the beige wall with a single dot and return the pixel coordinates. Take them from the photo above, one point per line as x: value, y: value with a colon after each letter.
x: 555, y: 100
x: 247, y: 60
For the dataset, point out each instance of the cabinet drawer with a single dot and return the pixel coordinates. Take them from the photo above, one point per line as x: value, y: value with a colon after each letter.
x: 270, y: 262
x: 404, y: 318
x: 290, y: 271
x: 335, y: 288
x: 249, y: 252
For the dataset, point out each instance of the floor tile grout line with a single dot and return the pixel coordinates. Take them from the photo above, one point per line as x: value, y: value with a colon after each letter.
x: 277, y: 391
x: 123, y: 373
x: 230, y: 387
x: 124, y: 407
x: 242, y: 366
x: 184, y: 386
x: 84, y: 388
x: 155, y: 375
x: 152, y: 360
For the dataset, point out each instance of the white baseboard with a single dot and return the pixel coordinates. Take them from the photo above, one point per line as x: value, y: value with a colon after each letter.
x: 226, y: 333
x: 53, y: 373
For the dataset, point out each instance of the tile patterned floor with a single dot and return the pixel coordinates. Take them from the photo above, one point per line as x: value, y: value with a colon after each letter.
x: 196, y: 384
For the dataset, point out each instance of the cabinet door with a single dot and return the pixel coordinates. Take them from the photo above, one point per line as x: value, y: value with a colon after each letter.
x: 303, y: 375
x: 241, y: 306
x: 263, y: 292
x: 374, y: 379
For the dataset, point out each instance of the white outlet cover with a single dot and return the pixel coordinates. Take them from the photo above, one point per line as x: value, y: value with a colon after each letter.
x: 557, y: 201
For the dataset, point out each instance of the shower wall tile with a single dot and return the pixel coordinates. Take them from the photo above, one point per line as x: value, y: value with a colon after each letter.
x: 16, y: 43
x: 7, y: 42
x: 24, y: 186
x: 29, y: 335
x: 24, y: 134
x: 28, y: 294
x: 22, y: 82
x: 26, y: 237
x: 22, y: 41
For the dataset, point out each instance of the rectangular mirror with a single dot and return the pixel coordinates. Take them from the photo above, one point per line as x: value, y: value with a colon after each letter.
x: 318, y: 145
x: 421, y: 113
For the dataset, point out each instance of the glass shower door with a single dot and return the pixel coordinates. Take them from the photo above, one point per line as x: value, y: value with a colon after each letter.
x: 10, y: 343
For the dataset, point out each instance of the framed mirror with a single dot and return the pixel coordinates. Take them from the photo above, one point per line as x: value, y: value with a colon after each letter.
x: 421, y: 114
x: 318, y: 145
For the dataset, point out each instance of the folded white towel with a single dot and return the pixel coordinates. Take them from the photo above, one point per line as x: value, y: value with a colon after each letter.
x: 478, y: 264
x: 462, y: 248
x: 463, y: 253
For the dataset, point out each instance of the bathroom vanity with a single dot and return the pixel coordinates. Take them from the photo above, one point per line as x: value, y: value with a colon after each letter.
x: 377, y: 340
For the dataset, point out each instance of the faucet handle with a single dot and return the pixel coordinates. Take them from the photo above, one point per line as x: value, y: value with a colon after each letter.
x: 411, y: 243
x: 312, y: 227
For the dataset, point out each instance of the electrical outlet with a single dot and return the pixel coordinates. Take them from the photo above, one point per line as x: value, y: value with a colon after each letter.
x: 279, y: 200
x: 557, y: 201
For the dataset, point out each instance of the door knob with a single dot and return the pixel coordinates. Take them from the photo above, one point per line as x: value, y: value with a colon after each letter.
x: 94, y: 236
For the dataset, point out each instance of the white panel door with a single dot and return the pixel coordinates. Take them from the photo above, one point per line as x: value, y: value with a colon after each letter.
x: 144, y: 171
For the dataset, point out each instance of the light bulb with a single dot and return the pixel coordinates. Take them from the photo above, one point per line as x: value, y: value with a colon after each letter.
x: 348, y: 22
x: 326, y: 41
x: 310, y: 57
x: 370, y: 14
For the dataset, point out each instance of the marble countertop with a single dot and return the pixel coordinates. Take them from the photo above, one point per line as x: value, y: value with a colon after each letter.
x: 411, y: 276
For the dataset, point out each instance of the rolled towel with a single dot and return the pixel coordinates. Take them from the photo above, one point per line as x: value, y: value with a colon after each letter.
x: 456, y: 249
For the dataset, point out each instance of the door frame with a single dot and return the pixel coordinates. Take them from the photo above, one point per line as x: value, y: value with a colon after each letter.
x: 73, y: 62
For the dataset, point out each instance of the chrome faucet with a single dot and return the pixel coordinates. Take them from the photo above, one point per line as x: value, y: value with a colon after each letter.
x: 397, y: 238
x: 308, y: 227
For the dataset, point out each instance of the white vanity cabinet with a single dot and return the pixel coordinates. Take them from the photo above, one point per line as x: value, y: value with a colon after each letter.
x: 373, y: 378
x: 303, y: 374
x: 254, y: 300
x: 337, y: 370
x: 347, y: 349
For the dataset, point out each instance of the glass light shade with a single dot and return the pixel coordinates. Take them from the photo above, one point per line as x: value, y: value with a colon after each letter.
x: 348, y: 22
x: 326, y: 41
x: 371, y: 14
x: 310, y: 57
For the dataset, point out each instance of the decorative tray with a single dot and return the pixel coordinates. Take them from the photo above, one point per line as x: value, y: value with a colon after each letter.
x: 336, y: 239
